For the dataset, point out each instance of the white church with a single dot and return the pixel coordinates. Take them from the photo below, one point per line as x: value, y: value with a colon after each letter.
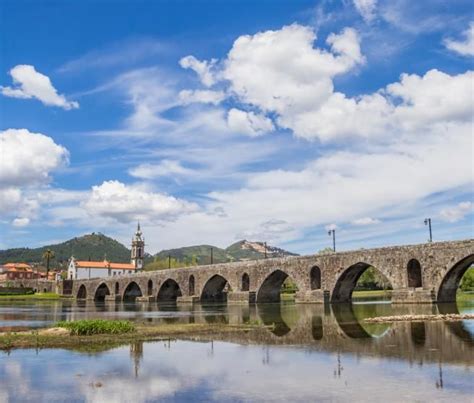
x: 85, y: 269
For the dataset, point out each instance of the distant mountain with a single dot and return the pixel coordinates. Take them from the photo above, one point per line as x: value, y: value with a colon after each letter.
x: 239, y: 251
x: 93, y: 246
x: 246, y: 250
x: 96, y: 246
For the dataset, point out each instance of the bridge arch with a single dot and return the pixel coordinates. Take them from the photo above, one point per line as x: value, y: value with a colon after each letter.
x: 269, y: 290
x: 315, y: 278
x: 245, y: 282
x: 414, y: 274
x: 101, y: 292
x: 132, y: 291
x: 82, y: 292
x: 347, y: 281
x: 451, y: 280
x: 169, y: 291
x: 215, y: 289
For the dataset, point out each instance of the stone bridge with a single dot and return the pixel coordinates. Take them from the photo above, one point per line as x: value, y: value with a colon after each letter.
x: 422, y: 273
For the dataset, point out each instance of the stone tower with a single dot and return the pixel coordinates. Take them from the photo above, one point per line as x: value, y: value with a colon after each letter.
x: 138, y: 249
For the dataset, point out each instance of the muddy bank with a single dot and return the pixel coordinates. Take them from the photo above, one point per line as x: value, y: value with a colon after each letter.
x: 418, y: 318
x: 60, y: 338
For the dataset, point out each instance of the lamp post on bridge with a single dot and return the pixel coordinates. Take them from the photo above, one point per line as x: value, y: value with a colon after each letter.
x: 212, y: 255
x: 428, y: 223
x: 333, y: 233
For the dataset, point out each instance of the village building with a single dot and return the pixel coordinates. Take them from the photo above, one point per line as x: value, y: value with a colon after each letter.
x: 17, y: 271
x: 84, y: 269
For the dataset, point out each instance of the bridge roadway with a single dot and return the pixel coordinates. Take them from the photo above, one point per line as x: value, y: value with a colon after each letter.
x: 422, y: 273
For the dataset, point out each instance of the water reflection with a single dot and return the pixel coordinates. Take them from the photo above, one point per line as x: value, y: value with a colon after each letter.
x: 331, y: 328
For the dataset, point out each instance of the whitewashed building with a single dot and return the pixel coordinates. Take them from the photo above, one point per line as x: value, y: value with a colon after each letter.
x: 84, y: 269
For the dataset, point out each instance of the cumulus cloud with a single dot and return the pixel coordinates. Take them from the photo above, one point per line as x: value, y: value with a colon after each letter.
x: 125, y: 203
x: 248, y: 123
x: 463, y: 47
x: 456, y: 213
x: 366, y: 8
x: 21, y: 222
x: 365, y: 221
x: 202, y: 96
x: 204, y: 69
x: 28, y: 158
x: 30, y: 83
x: 164, y: 168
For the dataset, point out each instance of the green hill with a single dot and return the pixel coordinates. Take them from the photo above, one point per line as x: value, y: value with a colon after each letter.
x: 201, y: 254
x: 93, y: 246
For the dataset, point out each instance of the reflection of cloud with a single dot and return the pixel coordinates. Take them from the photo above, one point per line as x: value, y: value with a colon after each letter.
x: 185, y: 371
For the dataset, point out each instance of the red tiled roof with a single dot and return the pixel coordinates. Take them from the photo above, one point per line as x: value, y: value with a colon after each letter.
x: 104, y: 265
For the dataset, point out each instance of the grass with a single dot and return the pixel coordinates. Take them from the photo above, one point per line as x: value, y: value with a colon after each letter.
x: 37, y: 296
x: 89, y: 327
x: 42, y: 338
x: 465, y: 296
x: 372, y: 294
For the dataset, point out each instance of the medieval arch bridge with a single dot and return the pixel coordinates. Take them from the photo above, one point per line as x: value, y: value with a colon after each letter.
x: 418, y: 274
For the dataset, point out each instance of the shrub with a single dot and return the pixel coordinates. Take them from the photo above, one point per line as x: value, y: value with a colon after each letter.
x: 97, y: 326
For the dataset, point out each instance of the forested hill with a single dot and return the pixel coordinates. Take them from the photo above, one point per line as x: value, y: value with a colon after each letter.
x: 93, y: 246
x: 201, y: 254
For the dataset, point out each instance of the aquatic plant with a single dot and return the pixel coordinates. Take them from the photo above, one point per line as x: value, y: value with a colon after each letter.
x: 89, y: 327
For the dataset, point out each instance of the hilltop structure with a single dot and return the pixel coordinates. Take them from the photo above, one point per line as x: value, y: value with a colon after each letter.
x: 84, y: 269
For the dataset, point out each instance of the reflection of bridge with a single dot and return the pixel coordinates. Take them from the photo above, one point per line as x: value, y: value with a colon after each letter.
x: 418, y: 274
x: 336, y: 328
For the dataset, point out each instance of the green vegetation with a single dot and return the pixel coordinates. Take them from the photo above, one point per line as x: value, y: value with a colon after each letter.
x: 372, y: 294
x: 88, y: 327
x: 52, y: 338
x: 467, y: 282
x: 372, y: 279
x: 30, y: 296
x: 201, y: 255
x: 463, y: 296
x: 92, y: 246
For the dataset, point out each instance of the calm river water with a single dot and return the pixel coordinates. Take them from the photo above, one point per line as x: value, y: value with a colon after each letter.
x: 312, y: 353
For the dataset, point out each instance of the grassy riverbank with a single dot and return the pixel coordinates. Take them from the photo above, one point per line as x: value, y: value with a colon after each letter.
x: 372, y: 294
x: 31, y: 297
x: 60, y: 337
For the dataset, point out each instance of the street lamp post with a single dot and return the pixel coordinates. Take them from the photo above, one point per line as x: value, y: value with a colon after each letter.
x: 333, y: 233
x: 212, y: 255
x: 265, y: 246
x: 428, y: 223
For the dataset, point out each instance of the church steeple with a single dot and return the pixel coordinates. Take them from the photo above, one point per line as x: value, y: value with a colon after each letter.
x: 138, y: 248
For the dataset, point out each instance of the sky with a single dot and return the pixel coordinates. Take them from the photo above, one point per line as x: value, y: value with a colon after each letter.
x: 215, y: 121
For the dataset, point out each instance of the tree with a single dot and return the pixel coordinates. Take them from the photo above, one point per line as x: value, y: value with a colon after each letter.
x: 48, y: 255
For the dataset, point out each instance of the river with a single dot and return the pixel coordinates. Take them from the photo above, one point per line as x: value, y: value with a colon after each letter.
x: 307, y: 353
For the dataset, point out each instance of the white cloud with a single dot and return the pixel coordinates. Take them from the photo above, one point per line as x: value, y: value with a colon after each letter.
x: 202, y: 96
x: 126, y: 203
x: 330, y: 227
x: 464, y: 47
x: 21, y: 222
x: 164, y: 168
x: 248, y: 123
x: 32, y: 84
x: 365, y: 221
x: 366, y: 8
x: 28, y: 158
x: 280, y: 71
x: 202, y: 68
x: 456, y: 213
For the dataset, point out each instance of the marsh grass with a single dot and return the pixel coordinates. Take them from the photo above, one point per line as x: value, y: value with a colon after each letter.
x: 89, y: 327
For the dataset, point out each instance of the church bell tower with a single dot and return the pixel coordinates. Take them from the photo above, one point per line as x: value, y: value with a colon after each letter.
x: 138, y: 249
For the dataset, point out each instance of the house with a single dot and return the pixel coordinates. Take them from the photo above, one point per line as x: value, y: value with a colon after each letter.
x: 83, y: 269
x: 18, y: 271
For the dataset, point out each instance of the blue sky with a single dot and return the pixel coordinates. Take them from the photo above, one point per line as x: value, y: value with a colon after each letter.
x: 213, y: 121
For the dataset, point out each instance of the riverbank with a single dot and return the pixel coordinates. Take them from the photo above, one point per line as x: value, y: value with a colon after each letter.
x: 41, y: 296
x: 58, y: 337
